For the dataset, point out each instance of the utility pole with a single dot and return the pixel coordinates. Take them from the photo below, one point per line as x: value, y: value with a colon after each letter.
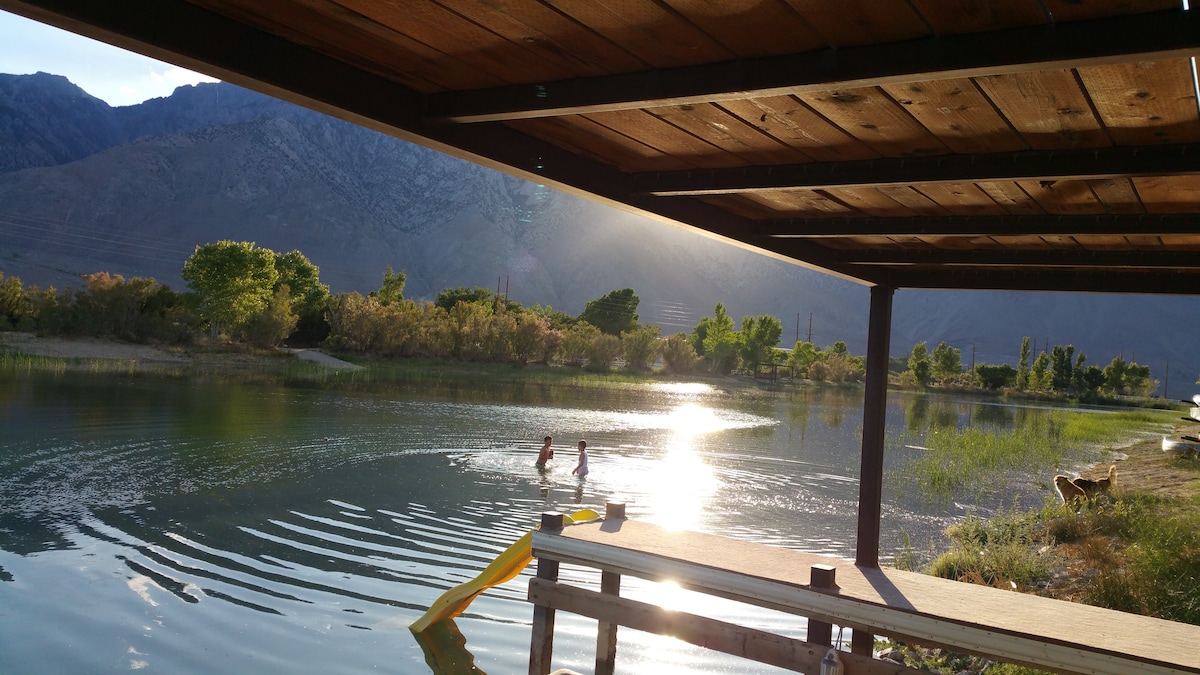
x: 972, y: 357
x: 1166, y: 378
x: 810, y: 326
x: 797, y: 326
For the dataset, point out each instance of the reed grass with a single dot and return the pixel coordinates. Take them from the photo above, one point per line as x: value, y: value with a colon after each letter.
x: 972, y: 459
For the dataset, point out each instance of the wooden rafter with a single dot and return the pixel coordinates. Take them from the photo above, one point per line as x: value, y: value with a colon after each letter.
x: 1030, y: 165
x: 981, y: 226
x: 1143, y: 37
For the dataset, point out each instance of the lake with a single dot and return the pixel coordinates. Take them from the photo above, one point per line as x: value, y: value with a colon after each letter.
x: 194, y: 526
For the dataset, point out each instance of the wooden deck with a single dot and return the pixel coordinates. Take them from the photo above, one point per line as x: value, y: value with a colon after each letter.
x: 1013, y: 627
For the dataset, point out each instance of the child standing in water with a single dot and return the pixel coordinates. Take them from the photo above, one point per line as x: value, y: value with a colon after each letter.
x: 545, y: 454
x: 581, y: 469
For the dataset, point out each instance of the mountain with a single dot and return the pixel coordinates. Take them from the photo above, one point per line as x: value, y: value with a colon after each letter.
x: 85, y: 187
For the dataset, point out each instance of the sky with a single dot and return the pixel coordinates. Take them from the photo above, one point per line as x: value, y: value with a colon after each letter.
x: 114, y: 75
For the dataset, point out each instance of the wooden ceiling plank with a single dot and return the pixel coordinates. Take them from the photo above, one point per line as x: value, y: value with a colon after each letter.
x: 958, y: 114
x: 1047, y: 107
x: 873, y: 118
x: 466, y: 41
x: 656, y: 35
x: 914, y: 200
x: 970, y: 16
x: 749, y: 28
x: 1063, y: 197
x: 584, y: 137
x: 1117, y: 194
x: 326, y: 26
x: 870, y: 202
x: 1104, y: 243
x: 730, y: 133
x: 961, y: 199
x: 550, y: 33
x: 1145, y: 102
x: 848, y: 23
x: 801, y: 204
x: 1138, y: 37
x: 1043, y: 169
x: 1168, y: 194
x: 1011, y: 197
x: 797, y: 126
x: 666, y: 138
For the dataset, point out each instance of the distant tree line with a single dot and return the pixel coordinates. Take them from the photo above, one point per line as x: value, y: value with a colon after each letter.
x: 242, y: 292
x: 1060, y: 371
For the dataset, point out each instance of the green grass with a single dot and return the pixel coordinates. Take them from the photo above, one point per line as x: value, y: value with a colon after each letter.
x: 972, y: 459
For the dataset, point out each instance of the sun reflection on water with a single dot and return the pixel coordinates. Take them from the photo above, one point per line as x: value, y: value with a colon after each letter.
x: 682, y: 482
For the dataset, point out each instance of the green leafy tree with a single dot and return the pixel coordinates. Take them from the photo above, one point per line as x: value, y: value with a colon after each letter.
x: 696, y: 337
x: 275, y: 323
x: 918, y: 363
x: 1023, y: 365
x: 1061, y: 367
x: 1114, y: 375
x: 1039, y: 373
x: 1077, y: 373
x: 758, y: 338
x: 575, y: 342
x: 720, y: 342
x: 602, y: 351
x: 558, y: 320
x: 308, y: 295
x: 678, y: 355
x: 613, y: 313
x: 15, y: 308
x: 640, y: 347
x: 234, y: 281
x: 450, y: 297
x: 803, y: 355
x: 996, y: 376
x: 945, y: 362
x: 1093, y: 379
x: 392, y: 289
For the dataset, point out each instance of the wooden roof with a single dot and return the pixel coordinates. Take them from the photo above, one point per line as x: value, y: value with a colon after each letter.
x: 991, y: 144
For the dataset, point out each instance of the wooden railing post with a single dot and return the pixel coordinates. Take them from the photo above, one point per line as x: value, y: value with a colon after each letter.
x: 541, y: 646
x: 820, y: 632
x: 610, y: 582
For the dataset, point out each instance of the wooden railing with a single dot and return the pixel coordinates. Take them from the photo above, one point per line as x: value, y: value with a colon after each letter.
x: 1048, y: 634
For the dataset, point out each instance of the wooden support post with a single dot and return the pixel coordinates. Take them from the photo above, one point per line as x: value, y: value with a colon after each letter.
x: 821, y: 632
x: 610, y: 583
x: 870, y: 486
x: 870, y: 478
x: 606, y: 636
x: 541, y: 645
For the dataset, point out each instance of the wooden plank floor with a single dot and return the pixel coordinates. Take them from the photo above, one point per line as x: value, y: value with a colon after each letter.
x: 1009, y: 626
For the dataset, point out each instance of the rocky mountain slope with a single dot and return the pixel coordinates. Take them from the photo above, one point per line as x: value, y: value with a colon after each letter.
x: 86, y: 187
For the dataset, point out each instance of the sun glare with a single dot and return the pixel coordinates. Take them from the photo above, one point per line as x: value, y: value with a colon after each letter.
x: 683, y: 482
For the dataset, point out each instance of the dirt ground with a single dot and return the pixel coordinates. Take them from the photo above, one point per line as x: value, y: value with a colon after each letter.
x: 1146, y: 468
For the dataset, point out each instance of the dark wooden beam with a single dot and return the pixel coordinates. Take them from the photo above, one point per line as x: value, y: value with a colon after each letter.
x: 1140, y: 37
x: 1048, y: 166
x: 1155, y: 282
x: 981, y: 226
x: 1040, y: 259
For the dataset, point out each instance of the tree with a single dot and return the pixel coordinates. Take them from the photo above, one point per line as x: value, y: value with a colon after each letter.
x: 1039, y: 374
x: 450, y: 297
x: 804, y: 354
x: 613, y: 313
x: 15, y: 307
x: 640, y: 347
x: 758, y: 338
x: 308, y: 295
x: 602, y: 351
x: 945, y: 362
x: 678, y: 354
x: 995, y: 376
x: 234, y: 280
x: 1023, y: 365
x: 275, y: 323
x: 1061, y: 373
x: 918, y: 363
x: 575, y: 342
x: 392, y: 289
x: 720, y: 342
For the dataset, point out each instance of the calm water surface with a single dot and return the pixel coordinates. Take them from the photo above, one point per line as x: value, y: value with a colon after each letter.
x: 184, y: 526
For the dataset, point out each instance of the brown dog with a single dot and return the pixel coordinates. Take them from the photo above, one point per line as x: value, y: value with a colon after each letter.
x: 1095, y: 488
x: 1069, y: 492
